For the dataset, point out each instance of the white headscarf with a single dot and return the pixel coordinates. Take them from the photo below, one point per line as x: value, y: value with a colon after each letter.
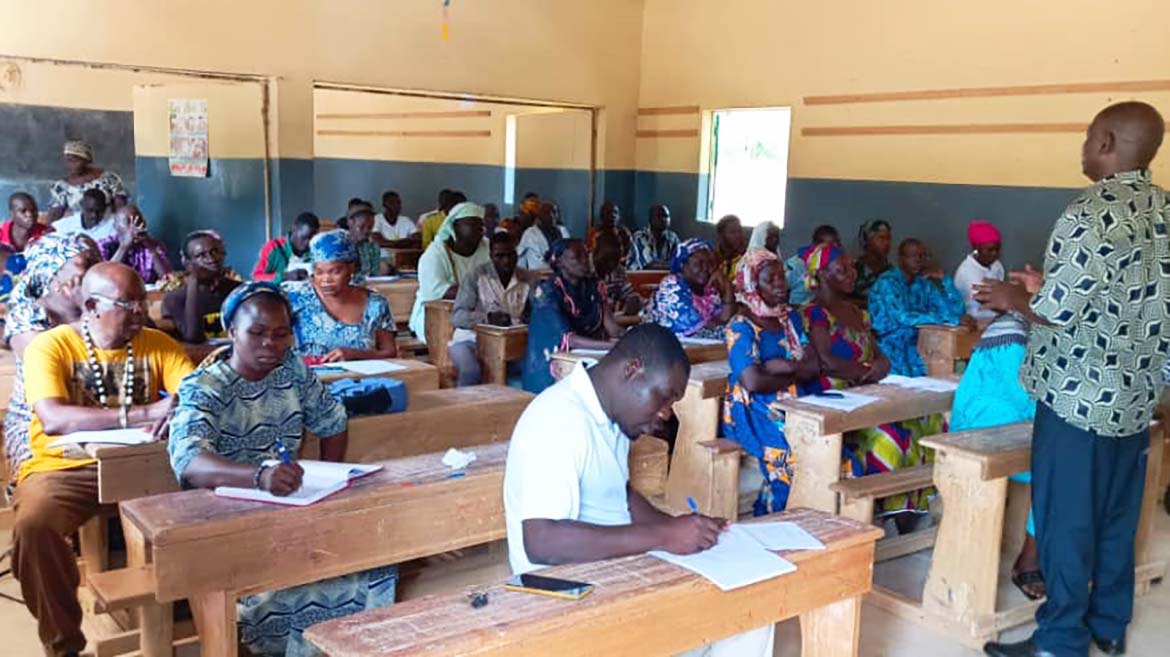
x: 759, y: 238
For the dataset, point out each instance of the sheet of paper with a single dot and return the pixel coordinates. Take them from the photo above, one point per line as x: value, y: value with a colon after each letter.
x: 779, y: 535
x: 841, y: 400
x: 590, y: 352
x: 131, y: 436
x: 700, y: 341
x: 736, y: 560
x: 925, y: 383
x: 370, y: 367
x: 321, y: 479
x: 382, y: 279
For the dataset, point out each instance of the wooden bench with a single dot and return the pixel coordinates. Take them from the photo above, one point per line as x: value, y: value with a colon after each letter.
x: 211, y: 549
x: 815, y: 434
x: 400, y: 293
x: 646, y: 281
x: 640, y: 606
x: 496, y: 346
x: 944, y: 347
x: 439, y: 329
x: 978, y: 537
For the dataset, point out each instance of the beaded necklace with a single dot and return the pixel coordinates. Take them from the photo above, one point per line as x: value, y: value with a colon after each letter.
x: 96, y: 370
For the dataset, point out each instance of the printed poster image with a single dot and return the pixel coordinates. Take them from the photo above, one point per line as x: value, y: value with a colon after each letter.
x: 189, y: 153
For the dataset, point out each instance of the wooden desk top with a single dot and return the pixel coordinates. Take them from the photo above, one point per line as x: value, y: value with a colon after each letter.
x: 411, y: 509
x: 710, y: 378
x: 999, y: 451
x: 671, y: 606
x: 894, y: 403
x: 512, y: 332
x: 696, y: 353
x: 417, y: 375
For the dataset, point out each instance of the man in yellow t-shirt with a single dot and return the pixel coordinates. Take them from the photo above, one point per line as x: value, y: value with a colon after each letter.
x: 103, y: 372
x: 430, y: 222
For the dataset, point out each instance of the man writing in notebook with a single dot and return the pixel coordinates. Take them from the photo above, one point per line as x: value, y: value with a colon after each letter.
x: 104, y: 371
x: 566, y: 483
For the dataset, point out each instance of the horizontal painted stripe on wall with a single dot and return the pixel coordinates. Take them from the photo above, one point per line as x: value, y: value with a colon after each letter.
x: 936, y: 213
x: 230, y: 200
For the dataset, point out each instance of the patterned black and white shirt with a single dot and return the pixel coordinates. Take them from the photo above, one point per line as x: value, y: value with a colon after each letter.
x: 1106, y: 295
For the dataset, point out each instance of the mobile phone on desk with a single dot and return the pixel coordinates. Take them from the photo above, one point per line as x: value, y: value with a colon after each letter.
x: 550, y: 586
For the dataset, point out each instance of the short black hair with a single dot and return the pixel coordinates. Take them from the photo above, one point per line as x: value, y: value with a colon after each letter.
x: 528, y: 195
x: 192, y: 236
x: 908, y: 242
x: 24, y: 195
x: 723, y: 223
x: 457, y: 197
x: 96, y: 194
x: 501, y: 237
x: 823, y: 230
x: 390, y: 193
x: 357, y: 200
x: 655, y: 346
x: 307, y: 219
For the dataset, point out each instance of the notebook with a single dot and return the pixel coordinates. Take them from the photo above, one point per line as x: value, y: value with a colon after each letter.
x: 925, y: 383
x: 131, y: 436
x: 736, y: 560
x: 321, y: 480
x: 363, y: 367
x: 700, y: 341
x: 841, y: 400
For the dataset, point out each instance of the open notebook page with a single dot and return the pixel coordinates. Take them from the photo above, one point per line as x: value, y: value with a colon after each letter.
x: 736, y: 560
x: 321, y: 480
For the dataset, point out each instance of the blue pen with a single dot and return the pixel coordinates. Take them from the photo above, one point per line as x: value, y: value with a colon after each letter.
x: 691, y: 503
x: 285, y: 457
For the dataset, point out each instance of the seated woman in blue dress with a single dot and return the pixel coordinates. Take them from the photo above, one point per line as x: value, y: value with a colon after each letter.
x: 690, y: 301
x: 910, y: 295
x: 990, y: 394
x: 335, y: 319
x: 237, y: 412
x: 568, y: 311
x: 770, y: 360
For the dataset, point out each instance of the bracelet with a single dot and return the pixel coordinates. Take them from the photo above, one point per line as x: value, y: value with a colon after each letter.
x: 259, y: 473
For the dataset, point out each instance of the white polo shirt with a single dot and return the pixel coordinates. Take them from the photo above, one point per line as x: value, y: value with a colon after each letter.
x: 402, y: 229
x: 567, y: 461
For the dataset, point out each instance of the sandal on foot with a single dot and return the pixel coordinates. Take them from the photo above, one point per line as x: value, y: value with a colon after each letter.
x: 1027, y: 578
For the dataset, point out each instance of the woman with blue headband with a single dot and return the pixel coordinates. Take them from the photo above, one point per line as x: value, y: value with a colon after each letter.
x: 335, y: 319
x: 252, y: 402
x: 690, y: 301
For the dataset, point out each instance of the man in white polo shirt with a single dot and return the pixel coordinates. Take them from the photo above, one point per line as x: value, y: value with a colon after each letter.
x: 566, y: 484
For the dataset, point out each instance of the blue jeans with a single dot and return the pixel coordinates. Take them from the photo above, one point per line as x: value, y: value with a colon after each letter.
x: 1087, y: 497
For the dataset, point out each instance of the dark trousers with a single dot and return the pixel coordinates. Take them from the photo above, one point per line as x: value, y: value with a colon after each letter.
x: 1087, y: 497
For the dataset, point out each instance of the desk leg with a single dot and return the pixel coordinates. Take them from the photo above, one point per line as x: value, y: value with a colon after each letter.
x: 156, y: 621
x: 1153, y: 493
x: 818, y: 464
x: 93, y: 537
x: 691, y: 467
x: 964, y: 572
x: 832, y: 630
x: 215, y: 618
x: 493, y: 358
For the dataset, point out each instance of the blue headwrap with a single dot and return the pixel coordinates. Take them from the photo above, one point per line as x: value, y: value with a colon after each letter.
x: 686, y: 250
x: 332, y: 246
x: 558, y: 248
x: 246, y: 291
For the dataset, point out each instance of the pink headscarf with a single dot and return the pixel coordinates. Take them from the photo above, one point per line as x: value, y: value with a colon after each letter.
x: 981, y: 233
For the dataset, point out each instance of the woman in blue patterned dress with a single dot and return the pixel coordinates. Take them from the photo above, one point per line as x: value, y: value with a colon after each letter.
x: 44, y: 297
x: 335, y: 319
x: 913, y: 294
x: 690, y: 301
x: 233, y: 415
x: 568, y: 311
x: 769, y: 359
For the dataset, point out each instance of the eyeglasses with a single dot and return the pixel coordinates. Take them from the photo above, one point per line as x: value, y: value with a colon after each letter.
x: 128, y: 306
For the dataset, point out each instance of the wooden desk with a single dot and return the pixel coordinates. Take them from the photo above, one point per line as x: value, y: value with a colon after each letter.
x: 400, y: 294
x: 417, y: 375
x: 403, y: 259
x: 496, y: 347
x: 815, y: 435
x: 563, y: 362
x: 211, y: 549
x: 439, y: 329
x: 640, y: 606
x: 942, y: 347
x: 699, y: 469
x: 646, y: 281
x: 971, y: 472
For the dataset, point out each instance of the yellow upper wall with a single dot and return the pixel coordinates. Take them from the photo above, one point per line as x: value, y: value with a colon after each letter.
x: 742, y: 53
x: 581, y: 52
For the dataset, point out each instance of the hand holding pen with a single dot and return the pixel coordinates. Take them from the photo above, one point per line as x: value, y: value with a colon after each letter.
x: 284, y: 478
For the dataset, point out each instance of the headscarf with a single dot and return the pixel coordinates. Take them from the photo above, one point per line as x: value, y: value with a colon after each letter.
x: 981, y: 233
x: 464, y: 210
x: 817, y: 258
x: 759, y: 239
x: 246, y: 291
x: 747, y: 283
x: 871, y: 228
x: 685, y: 251
x: 79, y: 148
x: 332, y: 246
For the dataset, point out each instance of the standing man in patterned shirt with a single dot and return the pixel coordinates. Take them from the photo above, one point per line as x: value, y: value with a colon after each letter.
x: 1100, y: 315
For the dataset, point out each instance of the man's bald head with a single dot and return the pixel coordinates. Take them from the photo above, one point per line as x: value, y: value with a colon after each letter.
x: 1123, y: 137
x: 113, y: 280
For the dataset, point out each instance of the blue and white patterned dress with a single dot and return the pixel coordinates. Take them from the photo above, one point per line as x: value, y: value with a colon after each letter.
x: 318, y: 332
x: 898, y: 308
x: 219, y: 412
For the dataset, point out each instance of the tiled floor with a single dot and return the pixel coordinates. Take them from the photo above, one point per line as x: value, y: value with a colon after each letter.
x: 882, y: 635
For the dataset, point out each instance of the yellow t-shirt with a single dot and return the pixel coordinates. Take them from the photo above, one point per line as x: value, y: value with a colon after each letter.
x: 56, y: 367
x: 430, y: 224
